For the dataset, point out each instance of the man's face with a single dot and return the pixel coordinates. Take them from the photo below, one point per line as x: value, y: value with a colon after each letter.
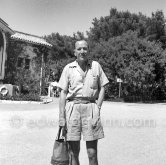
x: 81, y: 50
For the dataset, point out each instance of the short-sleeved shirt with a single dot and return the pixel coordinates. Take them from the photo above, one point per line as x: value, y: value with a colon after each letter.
x: 78, y: 83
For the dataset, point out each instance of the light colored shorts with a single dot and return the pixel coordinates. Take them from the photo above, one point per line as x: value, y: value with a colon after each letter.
x: 85, y: 119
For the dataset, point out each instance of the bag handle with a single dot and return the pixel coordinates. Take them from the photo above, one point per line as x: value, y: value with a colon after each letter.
x: 60, y: 136
x: 59, y: 133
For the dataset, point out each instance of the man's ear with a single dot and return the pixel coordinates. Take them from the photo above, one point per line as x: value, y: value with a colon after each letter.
x: 74, y: 52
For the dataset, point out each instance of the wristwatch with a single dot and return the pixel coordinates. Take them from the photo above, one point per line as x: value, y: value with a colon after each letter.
x: 99, y: 107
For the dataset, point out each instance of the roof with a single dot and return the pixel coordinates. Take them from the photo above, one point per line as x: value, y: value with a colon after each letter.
x: 1, y: 20
x: 30, y: 38
x: 4, y: 26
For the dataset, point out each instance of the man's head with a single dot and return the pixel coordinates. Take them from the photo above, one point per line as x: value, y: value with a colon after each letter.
x: 81, y: 50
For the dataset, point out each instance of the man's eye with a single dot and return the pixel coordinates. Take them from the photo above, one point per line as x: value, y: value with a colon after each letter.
x: 82, y: 48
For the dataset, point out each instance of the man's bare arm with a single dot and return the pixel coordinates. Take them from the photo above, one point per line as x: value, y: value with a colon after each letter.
x: 101, y: 97
x: 62, y: 104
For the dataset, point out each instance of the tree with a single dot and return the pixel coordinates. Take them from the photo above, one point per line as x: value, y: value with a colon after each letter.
x: 118, y: 23
x: 132, y: 59
x: 155, y: 26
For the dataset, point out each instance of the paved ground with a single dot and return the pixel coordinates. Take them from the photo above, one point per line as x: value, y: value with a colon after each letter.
x: 135, y: 134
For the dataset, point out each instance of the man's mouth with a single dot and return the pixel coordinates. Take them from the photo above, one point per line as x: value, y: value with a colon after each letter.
x: 83, y: 55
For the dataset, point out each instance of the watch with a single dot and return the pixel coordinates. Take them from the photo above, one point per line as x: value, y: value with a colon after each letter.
x: 99, y: 107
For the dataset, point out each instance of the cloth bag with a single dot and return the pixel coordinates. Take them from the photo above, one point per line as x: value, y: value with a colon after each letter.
x: 60, y: 154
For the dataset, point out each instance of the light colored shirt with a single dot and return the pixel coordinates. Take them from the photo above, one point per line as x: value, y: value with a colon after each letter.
x: 55, y: 84
x: 78, y: 83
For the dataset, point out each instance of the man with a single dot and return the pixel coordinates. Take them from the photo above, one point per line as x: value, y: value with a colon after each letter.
x: 82, y: 92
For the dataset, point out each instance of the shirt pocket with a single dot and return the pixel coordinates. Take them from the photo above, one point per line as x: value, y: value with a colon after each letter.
x: 94, y: 83
x: 95, y: 115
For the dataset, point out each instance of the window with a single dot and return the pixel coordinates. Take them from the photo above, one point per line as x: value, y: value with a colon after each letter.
x: 27, y: 63
x: 20, y: 62
x: 23, y: 62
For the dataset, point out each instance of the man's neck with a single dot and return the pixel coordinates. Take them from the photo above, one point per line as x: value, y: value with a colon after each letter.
x: 83, y: 64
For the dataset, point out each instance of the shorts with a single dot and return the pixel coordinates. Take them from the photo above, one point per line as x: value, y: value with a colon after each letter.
x: 85, y: 119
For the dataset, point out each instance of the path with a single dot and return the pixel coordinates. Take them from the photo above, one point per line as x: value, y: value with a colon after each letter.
x: 135, y: 134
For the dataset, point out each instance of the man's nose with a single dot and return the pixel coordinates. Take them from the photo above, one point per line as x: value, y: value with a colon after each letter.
x: 82, y: 50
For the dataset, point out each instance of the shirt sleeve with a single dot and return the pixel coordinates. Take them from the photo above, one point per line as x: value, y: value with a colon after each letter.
x: 103, y: 80
x: 64, y: 81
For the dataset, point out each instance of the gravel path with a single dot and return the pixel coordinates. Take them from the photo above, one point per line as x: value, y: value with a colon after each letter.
x: 135, y: 134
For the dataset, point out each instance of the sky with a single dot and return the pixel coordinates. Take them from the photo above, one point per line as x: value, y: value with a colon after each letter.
x: 43, y: 17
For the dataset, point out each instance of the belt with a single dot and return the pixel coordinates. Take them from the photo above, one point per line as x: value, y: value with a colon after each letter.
x: 82, y: 100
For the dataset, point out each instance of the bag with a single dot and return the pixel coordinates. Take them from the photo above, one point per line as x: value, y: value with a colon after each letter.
x: 60, y: 154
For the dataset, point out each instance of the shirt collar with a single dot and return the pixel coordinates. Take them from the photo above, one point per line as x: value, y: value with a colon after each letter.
x: 75, y: 63
x: 90, y: 63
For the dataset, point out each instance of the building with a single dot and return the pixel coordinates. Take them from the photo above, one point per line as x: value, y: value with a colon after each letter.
x: 4, y: 31
x: 33, y: 47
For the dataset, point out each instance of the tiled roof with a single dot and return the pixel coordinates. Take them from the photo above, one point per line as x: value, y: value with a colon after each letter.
x: 2, y: 21
x: 4, y: 26
x: 30, y: 38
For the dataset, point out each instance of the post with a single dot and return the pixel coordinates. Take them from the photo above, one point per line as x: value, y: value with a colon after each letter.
x: 49, y: 90
x: 119, y: 89
x: 41, y: 74
x: 119, y: 81
x: 3, y: 56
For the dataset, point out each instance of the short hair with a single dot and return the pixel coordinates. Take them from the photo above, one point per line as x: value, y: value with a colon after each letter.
x: 81, y: 41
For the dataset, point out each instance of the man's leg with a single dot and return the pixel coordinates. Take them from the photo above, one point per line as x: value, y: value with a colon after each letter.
x: 74, y: 149
x: 92, y: 152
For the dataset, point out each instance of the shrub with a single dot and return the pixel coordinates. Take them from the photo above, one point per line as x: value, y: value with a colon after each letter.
x: 22, y: 97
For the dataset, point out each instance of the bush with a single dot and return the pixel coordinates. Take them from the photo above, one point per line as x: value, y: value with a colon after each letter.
x: 111, y: 91
x: 132, y: 99
x: 151, y: 94
x: 22, y: 97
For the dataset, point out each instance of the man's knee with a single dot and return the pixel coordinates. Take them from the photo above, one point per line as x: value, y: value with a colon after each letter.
x: 74, y: 154
x: 92, y: 149
x: 74, y: 148
x: 92, y: 153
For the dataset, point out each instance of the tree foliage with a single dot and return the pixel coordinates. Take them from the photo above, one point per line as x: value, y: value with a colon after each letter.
x: 129, y: 57
x: 130, y: 46
x: 119, y: 22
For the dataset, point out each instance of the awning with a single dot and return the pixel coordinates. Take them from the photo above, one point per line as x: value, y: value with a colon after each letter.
x: 30, y: 38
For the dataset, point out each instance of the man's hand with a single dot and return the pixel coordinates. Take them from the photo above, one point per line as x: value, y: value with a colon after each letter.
x: 62, y: 121
x: 101, y: 98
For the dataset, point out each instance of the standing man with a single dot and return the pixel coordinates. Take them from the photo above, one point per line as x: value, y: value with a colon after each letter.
x: 82, y: 92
